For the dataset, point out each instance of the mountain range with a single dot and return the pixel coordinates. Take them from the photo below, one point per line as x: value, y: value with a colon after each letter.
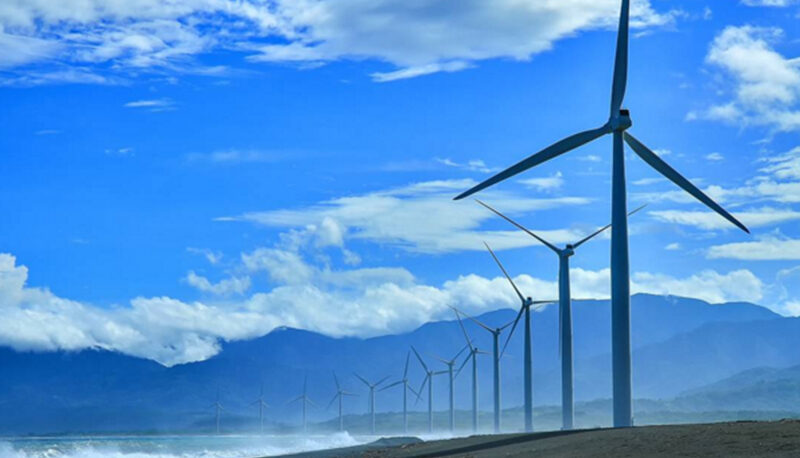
x: 688, y: 354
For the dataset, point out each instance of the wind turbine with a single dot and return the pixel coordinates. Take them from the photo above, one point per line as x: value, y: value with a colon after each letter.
x: 371, y: 387
x: 218, y: 408
x: 619, y: 121
x: 527, y: 303
x: 261, y: 405
x: 472, y: 355
x: 304, y: 400
x: 564, y: 313
x: 496, y: 362
x: 406, y: 387
x: 429, y: 374
x: 340, y: 394
x: 450, y: 364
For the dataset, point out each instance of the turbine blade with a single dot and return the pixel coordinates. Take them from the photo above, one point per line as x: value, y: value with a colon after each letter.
x: 391, y: 385
x: 295, y: 399
x: 621, y: 61
x: 362, y: 379
x: 424, y: 366
x: 466, y: 360
x: 511, y: 333
x: 463, y: 330
x: 520, y: 226
x: 424, y: 381
x: 513, y: 285
x: 599, y: 231
x: 441, y: 359
x: 554, y: 150
x: 663, y: 168
x: 382, y: 380
x: 312, y: 403
x: 336, y: 379
x: 334, y: 398
x: 405, y: 371
x: 468, y: 345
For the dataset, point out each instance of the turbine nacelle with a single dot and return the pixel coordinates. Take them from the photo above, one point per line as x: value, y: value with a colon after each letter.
x: 622, y: 121
x: 568, y: 250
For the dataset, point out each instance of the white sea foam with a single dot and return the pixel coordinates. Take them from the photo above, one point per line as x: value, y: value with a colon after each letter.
x: 170, y: 446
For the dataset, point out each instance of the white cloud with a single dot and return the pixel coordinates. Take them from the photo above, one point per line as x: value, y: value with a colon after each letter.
x: 784, y: 166
x: 715, y: 157
x: 778, y: 3
x: 546, y: 184
x: 414, y: 39
x: 154, y: 105
x: 422, y: 217
x: 213, y: 257
x: 766, y: 84
x: 473, y: 165
x: 224, y: 287
x: 235, y: 156
x: 710, y: 220
x: 356, y: 302
x: 767, y: 249
x: 673, y: 247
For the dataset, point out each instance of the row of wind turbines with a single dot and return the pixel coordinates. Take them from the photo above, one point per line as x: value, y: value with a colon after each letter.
x: 472, y: 352
x: 618, y: 123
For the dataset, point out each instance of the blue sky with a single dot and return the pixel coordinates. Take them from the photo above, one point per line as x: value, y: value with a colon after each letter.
x: 175, y: 174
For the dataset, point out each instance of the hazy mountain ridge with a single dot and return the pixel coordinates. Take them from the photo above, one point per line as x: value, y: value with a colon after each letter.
x: 66, y: 391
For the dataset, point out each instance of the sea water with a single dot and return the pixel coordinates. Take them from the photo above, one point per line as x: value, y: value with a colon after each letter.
x: 223, y: 446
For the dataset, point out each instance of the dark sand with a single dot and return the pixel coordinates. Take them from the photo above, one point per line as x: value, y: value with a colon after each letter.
x: 739, y: 439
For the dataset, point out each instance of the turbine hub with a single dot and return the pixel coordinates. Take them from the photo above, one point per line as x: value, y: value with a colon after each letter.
x: 621, y: 121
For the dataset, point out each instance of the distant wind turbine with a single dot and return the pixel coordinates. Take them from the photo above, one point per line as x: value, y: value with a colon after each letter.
x: 450, y: 365
x: 429, y: 374
x: 304, y: 401
x: 496, y: 363
x: 564, y: 312
x: 619, y: 121
x: 406, y: 387
x: 472, y: 355
x: 261, y: 406
x: 340, y: 394
x: 371, y: 387
x: 218, y: 409
x: 527, y: 303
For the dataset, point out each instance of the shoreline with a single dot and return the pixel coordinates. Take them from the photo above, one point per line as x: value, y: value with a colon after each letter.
x: 742, y: 438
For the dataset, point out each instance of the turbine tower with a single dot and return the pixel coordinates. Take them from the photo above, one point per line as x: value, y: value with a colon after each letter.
x: 340, y: 394
x: 304, y: 401
x: 495, y: 360
x: 371, y: 387
x: 261, y: 406
x: 429, y: 374
x: 564, y: 313
x: 619, y: 121
x: 472, y: 355
x: 450, y: 364
x: 406, y: 387
x: 527, y: 303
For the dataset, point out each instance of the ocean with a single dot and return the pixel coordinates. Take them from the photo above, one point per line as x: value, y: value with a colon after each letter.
x: 212, y: 446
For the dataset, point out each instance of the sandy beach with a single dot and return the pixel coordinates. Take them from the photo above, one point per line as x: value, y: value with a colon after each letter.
x: 740, y: 439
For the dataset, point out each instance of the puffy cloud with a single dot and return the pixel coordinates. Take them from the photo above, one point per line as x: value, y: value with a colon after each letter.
x: 415, y: 38
x: 766, y: 84
x: 356, y: 302
x: 422, y: 217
